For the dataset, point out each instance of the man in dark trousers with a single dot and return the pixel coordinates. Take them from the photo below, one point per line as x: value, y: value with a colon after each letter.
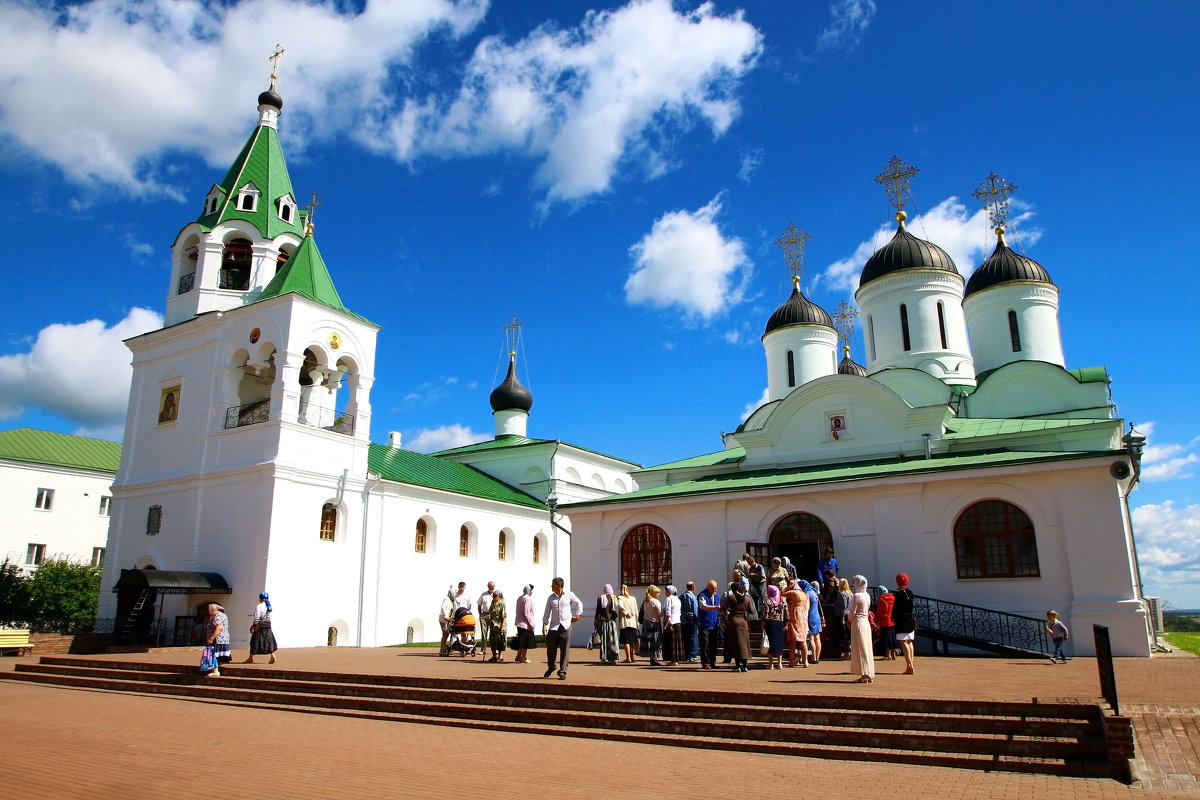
x: 562, y: 608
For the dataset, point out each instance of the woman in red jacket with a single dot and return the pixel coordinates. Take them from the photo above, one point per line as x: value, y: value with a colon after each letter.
x: 883, y: 618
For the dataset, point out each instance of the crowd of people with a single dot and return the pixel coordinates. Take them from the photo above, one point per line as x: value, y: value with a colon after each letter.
x: 767, y: 610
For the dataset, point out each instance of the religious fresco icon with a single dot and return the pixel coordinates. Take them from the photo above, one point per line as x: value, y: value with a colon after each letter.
x: 168, y: 405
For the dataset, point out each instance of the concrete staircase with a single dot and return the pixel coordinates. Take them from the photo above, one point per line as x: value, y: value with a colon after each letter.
x: 1053, y: 738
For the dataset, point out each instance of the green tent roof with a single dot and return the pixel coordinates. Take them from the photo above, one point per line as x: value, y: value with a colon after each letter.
x: 418, y: 469
x: 305, y: 274
x: 60, y: 449
x: 260, y: 163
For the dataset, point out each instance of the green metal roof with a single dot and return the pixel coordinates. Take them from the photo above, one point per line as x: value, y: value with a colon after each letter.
x: 305, y: 274
x: 969, y: 428
x: 505, y: 442
x: 60, y: 449
x: 418, y: 469
x: 841, y: 473
x: 1090, y: 374
x: 730, y: 456
x: 261, y: 163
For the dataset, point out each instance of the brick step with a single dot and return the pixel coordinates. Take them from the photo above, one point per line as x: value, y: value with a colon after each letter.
x: 765, y: 730
x: 531, y: 696
x: 776, y: 701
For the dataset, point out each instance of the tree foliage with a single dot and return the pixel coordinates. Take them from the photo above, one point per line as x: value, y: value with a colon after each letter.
x: 14, y: 594
x: 60, y: 593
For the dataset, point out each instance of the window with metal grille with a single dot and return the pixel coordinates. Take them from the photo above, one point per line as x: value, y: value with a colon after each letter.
x: 422, y: 536
x: 153, y: 520
x: 800, y: 527
x: 995, y: 539
x: 646, y: 556
x: 328, y: 522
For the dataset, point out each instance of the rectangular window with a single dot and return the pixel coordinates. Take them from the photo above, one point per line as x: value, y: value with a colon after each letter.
x: 35, y: 554
x: 45, y: 499
x: 154, y: 520
x: 1014, y: 331
x: 97, y: 556
x: 106, y: 506
x: 791, y: 368
x: 904, y: 327
x: 942, y: 324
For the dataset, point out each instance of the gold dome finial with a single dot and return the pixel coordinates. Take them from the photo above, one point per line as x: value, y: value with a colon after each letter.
x: 895, y: 180
x: 994, y: 193
x: 311, y: 208
x: 274, y: 59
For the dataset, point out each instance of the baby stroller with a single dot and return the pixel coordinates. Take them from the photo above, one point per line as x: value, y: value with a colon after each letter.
x: 462, y: 634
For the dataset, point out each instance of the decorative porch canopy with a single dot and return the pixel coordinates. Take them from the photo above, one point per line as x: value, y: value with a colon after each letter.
x: 173, y: 582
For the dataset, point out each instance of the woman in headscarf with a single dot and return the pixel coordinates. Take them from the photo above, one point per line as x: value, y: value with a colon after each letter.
x: 737, y: 607
x: 498, y: 632
x: 883, y: 620
x: 627, y: 620
x: 797, y: 623
x: 862, y: 660
x: 606, y: 625
x: 774, y: 613
x: 673, y: 627
x: 904, y: 620
x: 524, y: 618
x: 652, y: 633
x: 816, y: 621
x: 262, y: 640
x: 216, y: 636
x: 847, y: 598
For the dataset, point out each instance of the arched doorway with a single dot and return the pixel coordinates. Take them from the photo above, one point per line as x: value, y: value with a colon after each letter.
x: 801, y: 537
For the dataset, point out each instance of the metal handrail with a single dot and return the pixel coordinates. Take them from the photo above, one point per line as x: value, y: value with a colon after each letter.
x: 326, y: 419
x: 249, y: 414
x: 985, y: 628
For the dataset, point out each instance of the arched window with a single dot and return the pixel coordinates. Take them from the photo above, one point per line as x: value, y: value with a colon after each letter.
x: 942, y: 323
x: 502, y: 547
x: 235, y: 265
x: 537, y: 549
x: 464, y: 541
x: 1014, y: 331
x: 801, y: 527
x: 422, y: 536
x: 791, y: 367
x: 328, y: 522
x: 646, y: 556
x: 995, y: 539
x: 904, y: 327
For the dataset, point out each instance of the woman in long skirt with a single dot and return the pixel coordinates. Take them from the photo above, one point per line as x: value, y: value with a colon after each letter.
x: 262, y: 640
x: 737, y: 607
x: 652, y: 626
x: 774, y: 613
x: 606, y: 625
x: 627, y: 621
x: 797, y: 624
x: 862, y: 657
x: 498, y: 631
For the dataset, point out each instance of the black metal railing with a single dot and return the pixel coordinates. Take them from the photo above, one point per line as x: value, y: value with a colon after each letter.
x: 249, y: 414
x: 981, y: 628
x: 327, y: 419
x: 187, y: 283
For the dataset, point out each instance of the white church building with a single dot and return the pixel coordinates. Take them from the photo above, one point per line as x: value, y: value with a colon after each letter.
x: 248, y: 464
x: 964, y: 454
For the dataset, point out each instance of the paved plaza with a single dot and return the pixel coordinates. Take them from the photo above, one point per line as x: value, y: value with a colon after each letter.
x: 68, y: 743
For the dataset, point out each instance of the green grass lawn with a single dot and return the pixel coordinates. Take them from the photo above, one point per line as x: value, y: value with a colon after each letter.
x: 1185, y: 641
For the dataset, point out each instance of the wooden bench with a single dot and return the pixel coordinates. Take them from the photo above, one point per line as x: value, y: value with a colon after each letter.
x: 17, y: 641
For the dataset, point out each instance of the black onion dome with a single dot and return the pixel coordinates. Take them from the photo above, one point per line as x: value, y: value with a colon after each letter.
x: 1006, y: 266
x: 849, y: 367
x: 904, y: 252
x: 798, y: 310
x: 271, y: 98
x: 511, y: 395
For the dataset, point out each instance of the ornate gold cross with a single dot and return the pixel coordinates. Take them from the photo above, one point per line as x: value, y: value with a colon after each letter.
x: 843, y: 320
x: 274, y: 59
x: 792, y: 243
x: 895, y: 179
x: 994, y: 193
x: 511, y: 332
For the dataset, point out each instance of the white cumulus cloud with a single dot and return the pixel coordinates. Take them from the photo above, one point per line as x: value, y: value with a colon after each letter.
x: 686, y: 262
x: 105, y: 89
x: 1165, y: 461
x: 1168, y: 541
x: 79, y: 371
x: 848, y: 24
x: 431, y: 440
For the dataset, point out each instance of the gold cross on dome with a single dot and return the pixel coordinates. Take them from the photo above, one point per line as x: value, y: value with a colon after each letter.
x: 311, y: 207
x: 511, y: 332
x: 274, y: 59
x: 792, y: 243
x: 994, y: 193
x: 843, y: 320
x: 895, y: 179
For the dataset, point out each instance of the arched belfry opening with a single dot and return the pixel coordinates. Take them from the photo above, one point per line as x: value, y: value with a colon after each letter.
x: 235, y: 265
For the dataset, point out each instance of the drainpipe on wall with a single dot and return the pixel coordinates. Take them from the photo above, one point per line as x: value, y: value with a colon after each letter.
x: 362, y: 562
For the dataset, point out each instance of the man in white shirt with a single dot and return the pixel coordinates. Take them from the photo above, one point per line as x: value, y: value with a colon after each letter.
x: 562, y: 608
x: 461, y: 600
x: 484, y: 603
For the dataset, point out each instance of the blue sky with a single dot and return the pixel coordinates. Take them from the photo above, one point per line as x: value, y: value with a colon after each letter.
x: 615, y: 175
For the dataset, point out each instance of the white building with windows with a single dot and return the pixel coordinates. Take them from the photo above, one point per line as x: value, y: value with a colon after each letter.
x: 964, y: 454
x: 248, y: 464
x: 57, y: 490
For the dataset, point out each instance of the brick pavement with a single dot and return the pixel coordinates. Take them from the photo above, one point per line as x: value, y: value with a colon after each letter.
x: 134, y: 746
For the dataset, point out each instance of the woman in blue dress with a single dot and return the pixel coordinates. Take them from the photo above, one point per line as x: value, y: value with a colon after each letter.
x: 816, y: 621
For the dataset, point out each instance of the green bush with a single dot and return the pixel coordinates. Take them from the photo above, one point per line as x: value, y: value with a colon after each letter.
x: 61, y: 594
x: 14, y: 594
